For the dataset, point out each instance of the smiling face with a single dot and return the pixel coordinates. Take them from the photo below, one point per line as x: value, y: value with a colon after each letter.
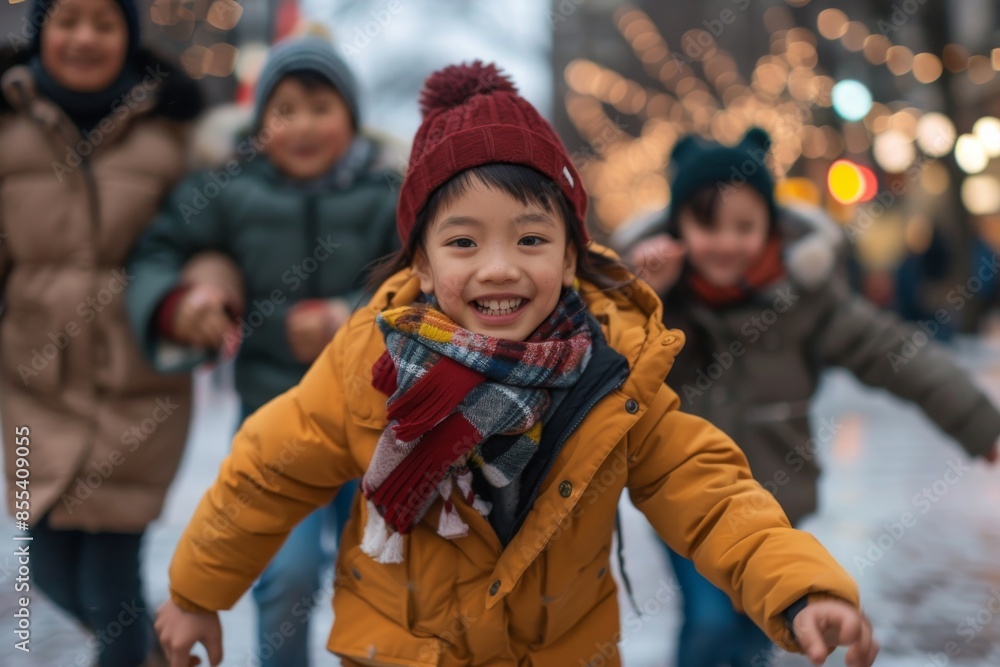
x: 84, y: 43
x: 724, y: 248
x: 310, y: 128
x: 496, y: 266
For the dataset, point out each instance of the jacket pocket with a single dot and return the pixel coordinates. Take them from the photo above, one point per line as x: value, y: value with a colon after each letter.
x: 383, y: 586
x: 31, y: 360
x: 566, y: 600
x: 372, y: 616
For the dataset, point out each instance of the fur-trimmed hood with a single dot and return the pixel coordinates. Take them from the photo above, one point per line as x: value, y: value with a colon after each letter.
x: 814, y: 246
x: 178, y: 97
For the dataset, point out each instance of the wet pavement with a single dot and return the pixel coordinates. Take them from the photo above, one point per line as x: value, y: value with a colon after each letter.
x: 902, y: 509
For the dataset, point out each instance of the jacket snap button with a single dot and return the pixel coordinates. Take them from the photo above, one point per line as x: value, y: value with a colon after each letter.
x: 632, y: 406
x: 495, y: 587
x: 669, y: 340
x: 354, y: 571
x: 565, y: 489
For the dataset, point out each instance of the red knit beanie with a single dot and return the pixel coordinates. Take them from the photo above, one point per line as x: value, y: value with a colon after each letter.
x: 473, y: 116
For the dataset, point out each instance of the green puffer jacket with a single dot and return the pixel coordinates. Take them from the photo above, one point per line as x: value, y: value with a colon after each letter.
x: 290, y: 242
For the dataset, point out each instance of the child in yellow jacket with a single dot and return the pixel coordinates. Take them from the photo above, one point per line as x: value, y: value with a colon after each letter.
x: 500, y: 390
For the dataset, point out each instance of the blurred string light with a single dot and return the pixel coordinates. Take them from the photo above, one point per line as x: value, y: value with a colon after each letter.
x: 987, y: 130
x: 935, y: 134
x: 851, y: 99
x: 893, y: 151
x: 200, y: 23
x: 970, y: 154
x: 836, y: 26
x: 981, y: 194
x: 700, y: 89
x: 934, y: 179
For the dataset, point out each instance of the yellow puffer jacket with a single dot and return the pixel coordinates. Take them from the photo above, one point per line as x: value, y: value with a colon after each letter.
x: 545, y: 599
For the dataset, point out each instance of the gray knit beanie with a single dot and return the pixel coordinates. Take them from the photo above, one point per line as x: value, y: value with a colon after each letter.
x: 312, y: 54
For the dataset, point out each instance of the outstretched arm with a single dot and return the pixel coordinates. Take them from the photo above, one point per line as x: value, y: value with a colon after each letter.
x: 884, y: 352
x: 694, y: 485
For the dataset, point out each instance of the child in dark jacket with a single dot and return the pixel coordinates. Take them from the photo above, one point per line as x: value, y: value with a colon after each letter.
x: 301, y: 214
x: 756, y: 290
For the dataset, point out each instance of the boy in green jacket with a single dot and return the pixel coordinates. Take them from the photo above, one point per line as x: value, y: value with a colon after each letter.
x: 301, y: 213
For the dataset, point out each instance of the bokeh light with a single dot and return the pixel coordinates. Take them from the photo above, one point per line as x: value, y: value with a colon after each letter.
x: 970, y: 154
x: 893, y: 151
x: 935, y: 134
x: 981, y: 194
x: 850, y: 183
x: 851, y: 99
x: 987, y: 130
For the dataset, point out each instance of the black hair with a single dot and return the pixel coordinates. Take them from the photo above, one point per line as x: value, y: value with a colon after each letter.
x: 527, y: 186
x: 702, y: 205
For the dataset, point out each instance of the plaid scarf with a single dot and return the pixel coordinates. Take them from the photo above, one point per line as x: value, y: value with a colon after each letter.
x: 450, y: 392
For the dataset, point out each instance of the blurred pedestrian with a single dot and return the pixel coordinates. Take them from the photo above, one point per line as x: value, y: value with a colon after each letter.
x: 524, y: 374
x: 92, y: 132
x: 759, y: 295
x: 308, y: 204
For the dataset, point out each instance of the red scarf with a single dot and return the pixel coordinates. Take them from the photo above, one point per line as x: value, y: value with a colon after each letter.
x: 768, y: 269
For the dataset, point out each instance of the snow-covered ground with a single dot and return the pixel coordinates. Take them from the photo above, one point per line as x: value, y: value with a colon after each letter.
x: 928, y: 585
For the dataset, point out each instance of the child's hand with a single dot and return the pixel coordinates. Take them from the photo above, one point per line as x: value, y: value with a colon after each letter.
x: 658, y: 260
x: 201, y: 317
x: 310, y: 325
x: 180, y: 630
x: 829, y: 623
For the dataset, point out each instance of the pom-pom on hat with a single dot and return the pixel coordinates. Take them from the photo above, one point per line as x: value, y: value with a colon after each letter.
x: 697, y: 163
x: 473, y: 116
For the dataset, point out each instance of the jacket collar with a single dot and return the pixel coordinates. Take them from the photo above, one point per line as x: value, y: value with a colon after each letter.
x: 166, y: 91
x: 631, y: 320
